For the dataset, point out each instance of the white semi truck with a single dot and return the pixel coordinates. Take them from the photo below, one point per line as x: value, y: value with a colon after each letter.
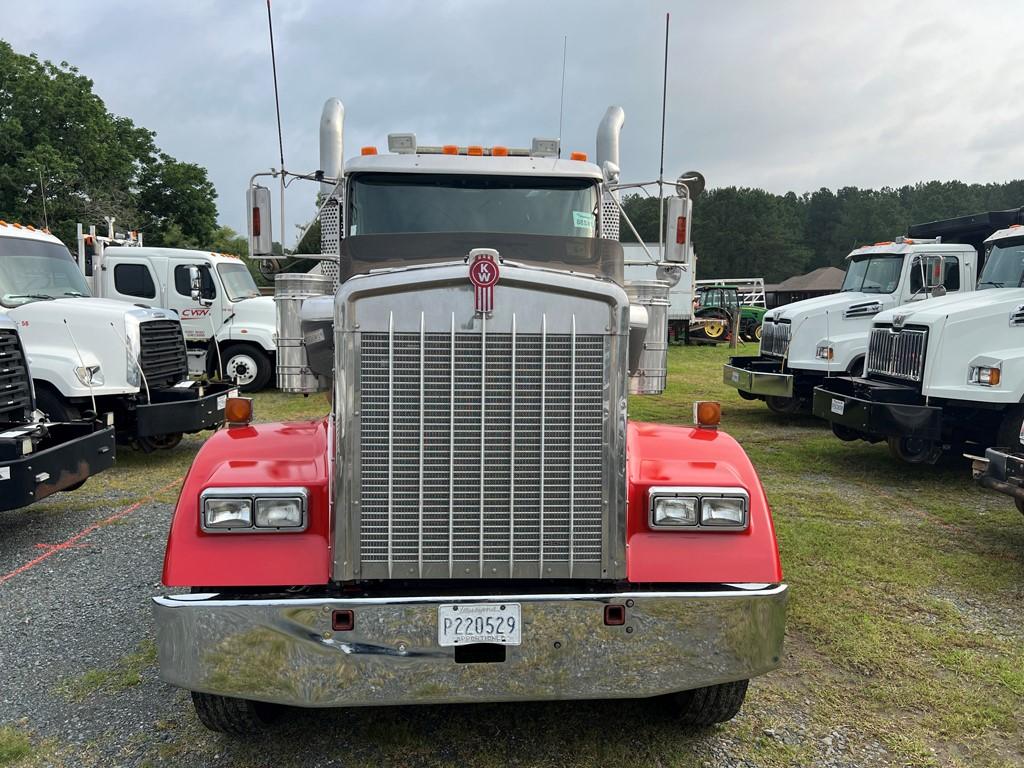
x: 91, y: 355
x: 942, y: 374
x: 804, y: 343
x: 229, y: 327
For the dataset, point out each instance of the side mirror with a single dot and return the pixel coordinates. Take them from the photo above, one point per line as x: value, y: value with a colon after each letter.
x: 677, y: 229
x: 195, y: 281
x: 938, y: 290
x: 610, y: 171
x: 261, y: 241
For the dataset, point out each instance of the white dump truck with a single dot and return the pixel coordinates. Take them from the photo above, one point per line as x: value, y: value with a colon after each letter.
x: 229, y: 327
x: 805, y: 342
x: 91, y: 355
x: 943, y: 374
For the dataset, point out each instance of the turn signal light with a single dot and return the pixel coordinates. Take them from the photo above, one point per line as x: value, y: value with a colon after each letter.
x: 707, y: 413
x: 238, y: 411
x: 368, y: 151
x: 578, y: 156
x: 255, y: 224
x: 681, y: 230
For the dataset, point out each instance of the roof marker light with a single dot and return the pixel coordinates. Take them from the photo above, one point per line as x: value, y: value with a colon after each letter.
x: 475, y: 150
x: 368, y: 151
x: 449, y: 149
x: 499, y: 151
x: 578, y: 156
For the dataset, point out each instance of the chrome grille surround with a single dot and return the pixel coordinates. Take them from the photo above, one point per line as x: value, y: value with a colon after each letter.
x: 480, y: 447
x: 775, y: 338
x: 897, y: 352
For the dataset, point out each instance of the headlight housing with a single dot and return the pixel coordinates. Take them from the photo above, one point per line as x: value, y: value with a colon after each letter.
x: 133, y: 351
x: 824, y: 352
x: 89, y: 375
x: 684, y: 508
x: 254, y: 510
x: 986, y: 375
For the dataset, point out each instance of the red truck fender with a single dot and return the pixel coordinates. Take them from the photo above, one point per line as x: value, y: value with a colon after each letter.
x: 662, y: 455
x: 260, y: 455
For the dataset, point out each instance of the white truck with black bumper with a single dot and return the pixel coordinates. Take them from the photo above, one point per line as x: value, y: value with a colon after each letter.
x: 946, y: 373
x: 805, y: 342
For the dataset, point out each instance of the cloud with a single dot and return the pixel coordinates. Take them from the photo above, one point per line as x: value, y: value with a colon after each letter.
x: 783, y: 95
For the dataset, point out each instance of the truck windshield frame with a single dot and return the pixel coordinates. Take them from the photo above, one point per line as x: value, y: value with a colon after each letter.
x: 405, y: 203
x: 873, y: 273
x: 36, y: 270
x: 238, y: 282
x: 1004, y: 266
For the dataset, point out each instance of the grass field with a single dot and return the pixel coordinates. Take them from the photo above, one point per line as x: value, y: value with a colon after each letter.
x: 904, y: 645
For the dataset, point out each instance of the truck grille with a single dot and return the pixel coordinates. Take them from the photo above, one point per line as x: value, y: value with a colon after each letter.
x: 15, y: 388
x: 163, y: 358
x: 482, y: 454
x: 897, y: 353
x: 775, y: 338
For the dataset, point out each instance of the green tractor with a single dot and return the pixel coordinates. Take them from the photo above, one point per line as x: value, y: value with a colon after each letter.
x: 712, y: 315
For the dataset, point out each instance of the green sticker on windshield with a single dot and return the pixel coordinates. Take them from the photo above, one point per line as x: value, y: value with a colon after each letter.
x: 582, y: 220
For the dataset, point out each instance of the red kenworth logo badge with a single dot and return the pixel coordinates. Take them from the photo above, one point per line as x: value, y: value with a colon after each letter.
x: 483, y: 274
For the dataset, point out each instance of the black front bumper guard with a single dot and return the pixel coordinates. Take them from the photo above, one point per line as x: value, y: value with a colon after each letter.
x: 67, y: 454
x: 877, y: 408
x: 183, y: 409
x: 1002, y: 470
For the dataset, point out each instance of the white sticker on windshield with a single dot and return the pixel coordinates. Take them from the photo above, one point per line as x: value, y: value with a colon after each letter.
x: 582, y: 220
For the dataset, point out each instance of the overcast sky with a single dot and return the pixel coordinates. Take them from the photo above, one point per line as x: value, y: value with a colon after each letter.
x: 774, y: 94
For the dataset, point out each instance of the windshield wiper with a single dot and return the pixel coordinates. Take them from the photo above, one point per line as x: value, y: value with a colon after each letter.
x: 42, y: 296
x: 993, y: 283
x: 76, y: 294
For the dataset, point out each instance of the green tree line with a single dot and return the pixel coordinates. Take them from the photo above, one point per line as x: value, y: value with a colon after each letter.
x: 745, y: 232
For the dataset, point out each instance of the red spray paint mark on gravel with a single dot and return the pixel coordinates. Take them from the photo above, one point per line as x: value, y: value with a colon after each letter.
x: 52, y: 549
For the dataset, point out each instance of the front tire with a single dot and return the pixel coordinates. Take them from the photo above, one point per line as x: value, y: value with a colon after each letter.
x: 914, y: 450
x: 238, y: 717
x: 783, y: 406
x: 702, y: 707
x: 248, y: 365
x: 845, y: 433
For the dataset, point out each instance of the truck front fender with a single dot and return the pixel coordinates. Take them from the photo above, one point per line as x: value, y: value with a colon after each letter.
x: 661, y: 455
x: 259, y: 455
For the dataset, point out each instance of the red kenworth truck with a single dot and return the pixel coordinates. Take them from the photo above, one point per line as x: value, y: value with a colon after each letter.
x: 476, y: 519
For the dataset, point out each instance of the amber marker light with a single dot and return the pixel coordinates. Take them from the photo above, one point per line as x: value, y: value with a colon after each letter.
x: 578, y: 156
x: 475, y: 150
x: 238, y: 411
x: 368, y: 151
x: 499, y: 151
x: 449, y: 149
x: 707, y: 414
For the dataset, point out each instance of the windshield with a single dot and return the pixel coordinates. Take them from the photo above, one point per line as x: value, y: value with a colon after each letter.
x: 394, y: 203
x: 1004, y: 267
x: 238, y: 282
x: 34, y: 270
x: 873, y: 274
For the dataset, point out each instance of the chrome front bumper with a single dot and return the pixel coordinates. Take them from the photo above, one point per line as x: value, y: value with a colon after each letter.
x: 758, y: 376
x: 285, y: 651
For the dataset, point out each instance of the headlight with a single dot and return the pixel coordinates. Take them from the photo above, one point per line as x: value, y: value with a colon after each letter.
x: 279, y: 513
x: 89, y: 375
x: 824, y: 352
x: 985, y: 375
x: 698, y: 509
x: 672, y: 511
x: 227, y: 513
x: 253, y: 510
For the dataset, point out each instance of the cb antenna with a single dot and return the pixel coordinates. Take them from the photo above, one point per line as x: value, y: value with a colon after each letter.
x: 561, y: 101
x: 661, y: 168
x: 277, y: 106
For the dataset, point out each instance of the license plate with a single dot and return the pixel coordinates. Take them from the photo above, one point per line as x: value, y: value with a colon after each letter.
x: 222, y: 401
x: 838, y: 406
x: 498, y: 623
x: 736, y: 377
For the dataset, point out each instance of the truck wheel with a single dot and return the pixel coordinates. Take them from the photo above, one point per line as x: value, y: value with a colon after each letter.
x: 784, y: 406
x: 757, y: 332
x: 915, y: 450
x: 747, y: 395
x: 239, y: 717
x: 248, y: 366
x: 159, y: 442
x: 1010, y: 426
x: 845, y: 433
x: 707, y: 706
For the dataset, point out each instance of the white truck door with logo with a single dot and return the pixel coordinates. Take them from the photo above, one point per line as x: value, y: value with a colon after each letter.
x: 199, y: 319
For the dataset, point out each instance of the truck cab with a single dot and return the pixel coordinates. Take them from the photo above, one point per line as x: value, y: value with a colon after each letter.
x: 229, y: 327
x: 40, y: 456
x: 476, y: 519
x: 943, y: 374
x: 805, y: 342
x: 93, y: 356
